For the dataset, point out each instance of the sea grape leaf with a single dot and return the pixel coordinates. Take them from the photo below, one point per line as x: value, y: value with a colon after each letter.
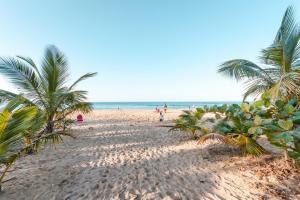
x: 294, y: 154
x: 282, y: 139
x: 297, y: 143
x: 257, y: 120
x: 247, y: 115
x: 265, y: 96
x: 247, y: 123
x: 289, y: 109
x: 285, y: 124
x: 267, y: 103
x: 266, y: 99
x: 258, y: 104
x: 224, y: 129
x: 280, y: 104
x: 252, y: 130
x: 296, y: 134
x: 295, y: 119
x: 255, y: 131
x: 293, y: 102
x: 259, y: 131
x: 262, y: 112
x: 266, y: 121
x: 245, y: 107
x: 283, y: 114
x: 222, y: 108
x: 273, y: 128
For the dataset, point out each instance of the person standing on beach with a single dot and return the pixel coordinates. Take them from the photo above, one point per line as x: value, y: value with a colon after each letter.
x: 161, y: 116
x: 165, y: 108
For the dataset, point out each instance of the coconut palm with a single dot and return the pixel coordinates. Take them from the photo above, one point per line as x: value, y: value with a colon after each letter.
x: 279, y: 73
x: 20, y: 125
x: 46, y: 86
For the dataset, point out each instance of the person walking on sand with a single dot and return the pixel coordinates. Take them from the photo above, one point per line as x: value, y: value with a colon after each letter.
x: 161, y: 116
x: 165, y: 108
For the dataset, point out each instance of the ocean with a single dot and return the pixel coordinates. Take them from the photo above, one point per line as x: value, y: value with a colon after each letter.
x: 152, y: 105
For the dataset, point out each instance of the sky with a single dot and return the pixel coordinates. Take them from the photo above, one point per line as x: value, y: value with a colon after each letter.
x: 144, y: 50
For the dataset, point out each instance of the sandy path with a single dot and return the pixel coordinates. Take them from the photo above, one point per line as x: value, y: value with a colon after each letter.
x: 126, y: 156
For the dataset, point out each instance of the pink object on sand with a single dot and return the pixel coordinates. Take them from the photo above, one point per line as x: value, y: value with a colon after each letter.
x: 79, y: 118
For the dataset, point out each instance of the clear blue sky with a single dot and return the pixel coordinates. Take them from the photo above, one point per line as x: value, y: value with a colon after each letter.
x: 144, y: 50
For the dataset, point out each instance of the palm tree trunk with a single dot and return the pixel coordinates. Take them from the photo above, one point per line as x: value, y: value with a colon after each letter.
x: 285, y: 155
x: 50, y: 125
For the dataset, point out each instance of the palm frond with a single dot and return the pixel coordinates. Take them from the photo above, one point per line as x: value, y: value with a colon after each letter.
x: 255, y: 87
x: 287, y: 25
x: 248, y: 145
x: 28, y: 61
x: 241, y: 69
x: 283, y: 55
x: 6, y: 96
x: 84, y: 77
x: 287, y: 84
x: 272, y: 55
x: 283, y: 52
x: 15, y: 125
x: 17, y: 102
x: 54, y: 70
x: 21, y: 75
x: 179, y: 125
x: 213, y: 136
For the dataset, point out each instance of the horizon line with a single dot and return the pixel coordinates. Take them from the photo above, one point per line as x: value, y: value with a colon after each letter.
x: 161, y: 101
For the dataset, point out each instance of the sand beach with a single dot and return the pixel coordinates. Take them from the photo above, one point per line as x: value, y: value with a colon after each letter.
x: 126, y: 154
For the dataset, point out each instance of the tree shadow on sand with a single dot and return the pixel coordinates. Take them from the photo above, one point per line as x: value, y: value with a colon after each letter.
x: 177, y: 175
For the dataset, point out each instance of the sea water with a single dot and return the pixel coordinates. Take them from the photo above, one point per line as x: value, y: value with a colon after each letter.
x: 153, y: 105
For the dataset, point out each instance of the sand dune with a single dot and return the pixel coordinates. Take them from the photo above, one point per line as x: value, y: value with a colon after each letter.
x: 125, y: 155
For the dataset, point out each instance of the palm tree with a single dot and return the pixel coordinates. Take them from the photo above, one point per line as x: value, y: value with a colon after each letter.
x: 19, y: 127
x: 46, y: 86
x: 280, y: 73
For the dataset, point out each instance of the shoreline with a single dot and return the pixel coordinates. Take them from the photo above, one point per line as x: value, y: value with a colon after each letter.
x: 152, y: 105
